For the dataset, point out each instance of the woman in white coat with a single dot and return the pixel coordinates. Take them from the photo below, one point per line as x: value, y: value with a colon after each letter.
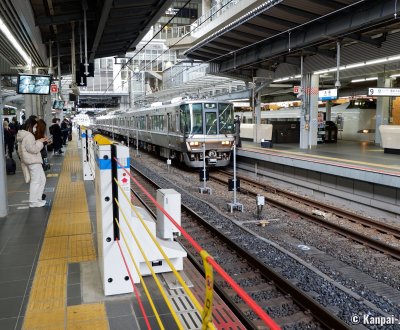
x: 29, y: 152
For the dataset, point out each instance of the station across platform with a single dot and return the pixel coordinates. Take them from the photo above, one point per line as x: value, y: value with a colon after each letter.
x: 357, y: 171
x: 49, y: 271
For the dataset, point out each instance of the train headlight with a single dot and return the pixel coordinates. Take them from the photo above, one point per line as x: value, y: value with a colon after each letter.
x: 193, y: 143
x: 226, y: 143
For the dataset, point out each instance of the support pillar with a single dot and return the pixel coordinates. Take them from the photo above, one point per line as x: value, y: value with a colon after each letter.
x: 313, y: 110
x: 382, y: 108
x: 3, y: 178
x: 309, y: 111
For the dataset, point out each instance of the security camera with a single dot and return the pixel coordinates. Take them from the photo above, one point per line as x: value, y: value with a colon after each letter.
x: 338, y: 84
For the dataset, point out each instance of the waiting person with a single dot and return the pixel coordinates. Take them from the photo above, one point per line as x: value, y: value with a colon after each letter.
x: 55, y: 131
x: 9, y: 138
x: 238, y: 141
x: 41, y: 133
x: 65, y: 131
x: 29, y: 151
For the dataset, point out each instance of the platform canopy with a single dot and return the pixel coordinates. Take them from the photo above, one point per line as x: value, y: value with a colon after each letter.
x: 280, y: 31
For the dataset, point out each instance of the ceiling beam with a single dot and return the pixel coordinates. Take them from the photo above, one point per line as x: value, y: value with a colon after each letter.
x: 374, y: 42
x: 260, y: 29
x: 63, y: 19
x: 298, y: 12
x: 100, y: 27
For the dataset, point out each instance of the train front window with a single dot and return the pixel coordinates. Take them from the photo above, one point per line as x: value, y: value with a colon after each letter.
x: 197, y: 118
x: 211, y: 123
x: 225, y: 115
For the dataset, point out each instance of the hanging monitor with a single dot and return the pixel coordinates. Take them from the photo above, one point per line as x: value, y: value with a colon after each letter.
x: 33, y: 84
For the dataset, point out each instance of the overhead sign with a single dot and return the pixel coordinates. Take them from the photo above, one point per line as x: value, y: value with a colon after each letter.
x: 327, y: 94
x: 54, y: 88
x: 296, y: 89
x: 383, y: 91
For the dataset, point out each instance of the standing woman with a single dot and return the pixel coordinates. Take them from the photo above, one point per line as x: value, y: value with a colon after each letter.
x: 41, y: 133
x: 29, y: 151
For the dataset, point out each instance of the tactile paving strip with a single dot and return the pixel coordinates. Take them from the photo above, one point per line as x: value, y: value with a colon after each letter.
x: 67, y: 239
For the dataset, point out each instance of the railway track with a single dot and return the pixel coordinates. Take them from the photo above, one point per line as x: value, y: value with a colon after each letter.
x: 286, y: 303
x: 250, y: 186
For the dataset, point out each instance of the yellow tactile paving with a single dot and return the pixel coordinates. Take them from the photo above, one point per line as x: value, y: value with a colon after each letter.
x: 54, y: 248
x: 68, y: 239
x: 86, y: 312
x: 54, y: 319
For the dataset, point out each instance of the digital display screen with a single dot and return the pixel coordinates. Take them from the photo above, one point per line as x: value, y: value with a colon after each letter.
x: 58, y: 104
x: 33, y: 84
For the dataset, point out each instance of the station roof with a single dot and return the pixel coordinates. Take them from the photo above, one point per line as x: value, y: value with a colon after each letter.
x: 113, y: 27
x: 279, y: 31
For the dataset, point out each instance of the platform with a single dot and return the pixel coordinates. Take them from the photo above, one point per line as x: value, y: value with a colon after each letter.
x: 49, y: 274
x: 358, y: 171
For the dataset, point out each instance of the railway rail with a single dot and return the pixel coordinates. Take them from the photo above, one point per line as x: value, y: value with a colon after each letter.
x: 286, y: 303
x: 250, y: 186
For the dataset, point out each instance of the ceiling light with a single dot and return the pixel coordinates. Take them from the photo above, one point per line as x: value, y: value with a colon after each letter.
x: 364, y: 79
x: 15, y: 43
x: 377, y: 61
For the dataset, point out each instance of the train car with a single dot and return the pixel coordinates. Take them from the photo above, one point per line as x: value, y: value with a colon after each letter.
x: 352, y: 119
x: 178, y: 130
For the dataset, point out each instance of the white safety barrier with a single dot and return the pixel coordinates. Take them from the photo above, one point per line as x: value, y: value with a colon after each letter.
x: 256, y: 132
x: 87, y: 153
x: 113, y: 271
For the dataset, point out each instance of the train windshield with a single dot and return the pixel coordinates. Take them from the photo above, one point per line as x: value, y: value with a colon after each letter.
x: 225, y: 115
x: 192, y: 118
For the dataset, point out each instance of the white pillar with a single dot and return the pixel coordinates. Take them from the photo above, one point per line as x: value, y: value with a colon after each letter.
x: 382, y: 107
x: 313, y: 110
x: 3, y: 178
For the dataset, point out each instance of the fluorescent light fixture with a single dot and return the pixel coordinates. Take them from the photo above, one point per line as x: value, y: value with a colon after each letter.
x: 360, y: 64
x: 364, y: 79
x: 287, y: 78
x: 355, y: 65
x: 377, y: 61
x: 321, y: 71
x: 395, y: 75
x: 15, y: 43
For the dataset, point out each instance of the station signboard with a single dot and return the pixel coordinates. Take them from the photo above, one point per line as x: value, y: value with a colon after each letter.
x: 327, y: 94
x: 383, y: 91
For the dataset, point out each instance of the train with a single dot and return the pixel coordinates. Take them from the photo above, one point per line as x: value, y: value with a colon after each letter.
x: 353, y: 119
x: 182, y: 130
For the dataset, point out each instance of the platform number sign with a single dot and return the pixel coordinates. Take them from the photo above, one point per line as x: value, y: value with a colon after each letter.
x: 296, y: 89
x: 383, y: 91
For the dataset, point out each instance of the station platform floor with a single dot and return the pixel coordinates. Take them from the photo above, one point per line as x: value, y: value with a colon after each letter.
x: 357, y: 160
x: 362, y: 154
x: 49, y: 274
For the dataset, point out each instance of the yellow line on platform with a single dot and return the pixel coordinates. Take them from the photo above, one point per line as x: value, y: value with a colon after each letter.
x: 68, y: 239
